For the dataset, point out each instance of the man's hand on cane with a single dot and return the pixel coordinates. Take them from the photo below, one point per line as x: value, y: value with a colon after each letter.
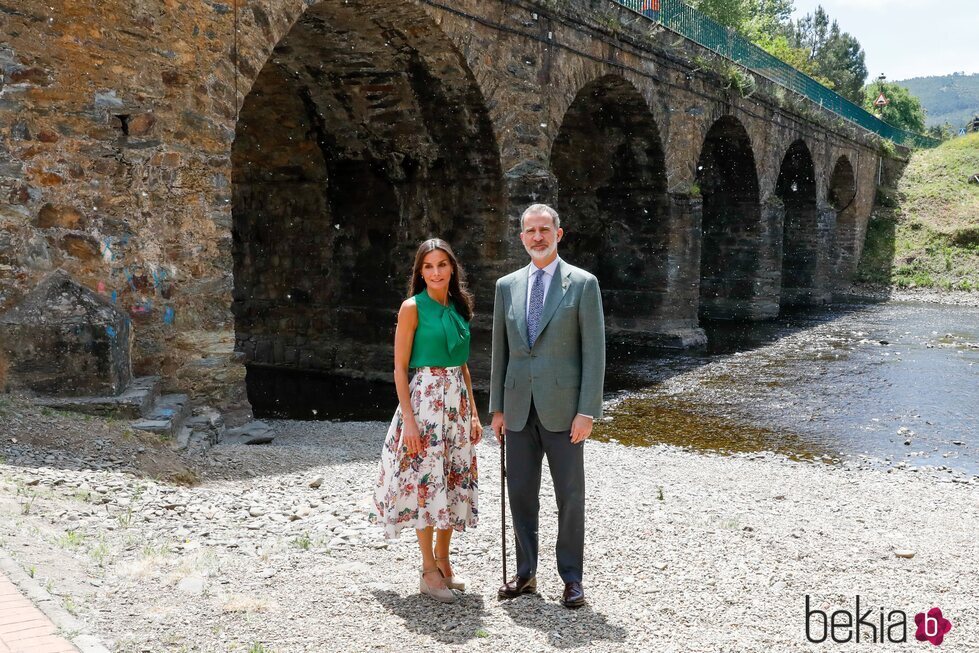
x: 498, y: 426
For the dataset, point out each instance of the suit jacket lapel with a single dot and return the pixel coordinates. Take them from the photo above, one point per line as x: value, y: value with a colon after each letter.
x: 555, y: 293
x: 518, y: 298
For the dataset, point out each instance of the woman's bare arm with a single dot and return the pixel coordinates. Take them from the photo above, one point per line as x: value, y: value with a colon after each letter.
x: 404, y: 336
x: 477, y: 427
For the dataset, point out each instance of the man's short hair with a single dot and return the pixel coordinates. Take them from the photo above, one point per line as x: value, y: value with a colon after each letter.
x: 535, y: 209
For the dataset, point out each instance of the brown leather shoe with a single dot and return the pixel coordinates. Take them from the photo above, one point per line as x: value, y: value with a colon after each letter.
x: 517, y: 586
x: 574, y: 595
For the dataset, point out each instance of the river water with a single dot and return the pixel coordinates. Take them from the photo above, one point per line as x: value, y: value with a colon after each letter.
x: 894, y: 383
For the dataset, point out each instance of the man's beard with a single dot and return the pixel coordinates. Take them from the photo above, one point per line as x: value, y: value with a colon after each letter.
x: 542, y: 254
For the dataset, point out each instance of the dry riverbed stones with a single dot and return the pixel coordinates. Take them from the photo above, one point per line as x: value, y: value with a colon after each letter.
x: 684, y: 551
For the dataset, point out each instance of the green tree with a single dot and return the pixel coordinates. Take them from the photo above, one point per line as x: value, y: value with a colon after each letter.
x: 780, y: 47
x: 815, y: 45
x: 942, y: 132
x: 733, y: 13
x: 903, y: 110
x: 766, y: 19
x: 753, y: 18
x: 836, y: 55
x: 841, y: 59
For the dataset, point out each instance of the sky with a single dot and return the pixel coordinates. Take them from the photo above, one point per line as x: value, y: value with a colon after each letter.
x: 908, y: 38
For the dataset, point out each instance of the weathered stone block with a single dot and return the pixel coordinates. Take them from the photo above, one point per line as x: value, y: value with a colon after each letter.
x: 64, y: 217
x: 64, y: 339
x: 80, y: 245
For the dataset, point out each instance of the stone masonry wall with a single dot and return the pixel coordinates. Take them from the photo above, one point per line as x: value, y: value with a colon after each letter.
x: 118, y: 127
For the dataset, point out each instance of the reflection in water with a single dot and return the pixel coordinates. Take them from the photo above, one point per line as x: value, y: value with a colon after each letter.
x: 894, y: 382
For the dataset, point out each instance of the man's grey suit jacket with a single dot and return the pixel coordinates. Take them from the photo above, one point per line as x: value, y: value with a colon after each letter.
x: 564, y: 372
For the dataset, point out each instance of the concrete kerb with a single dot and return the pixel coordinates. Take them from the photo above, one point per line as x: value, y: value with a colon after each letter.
x: 83, y: 639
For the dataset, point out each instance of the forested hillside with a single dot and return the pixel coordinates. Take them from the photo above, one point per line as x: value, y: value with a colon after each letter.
x: 949, y: 98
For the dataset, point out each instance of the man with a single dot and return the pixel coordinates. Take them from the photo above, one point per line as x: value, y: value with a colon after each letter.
x: 545, y: 392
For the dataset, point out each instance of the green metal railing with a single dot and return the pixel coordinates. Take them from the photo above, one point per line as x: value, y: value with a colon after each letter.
x: 692, y: 24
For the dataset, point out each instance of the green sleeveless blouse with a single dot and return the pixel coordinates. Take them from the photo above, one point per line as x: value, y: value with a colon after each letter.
x: 442, y: 336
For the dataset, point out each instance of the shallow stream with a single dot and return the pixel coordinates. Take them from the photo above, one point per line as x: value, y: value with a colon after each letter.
x: 890, y: 383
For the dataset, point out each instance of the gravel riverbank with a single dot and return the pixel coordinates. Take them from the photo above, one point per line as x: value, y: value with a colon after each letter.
x: 862, y: 292
x: 685, y: 551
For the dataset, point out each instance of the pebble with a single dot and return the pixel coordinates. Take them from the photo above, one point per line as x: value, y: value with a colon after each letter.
x: 193, y: 585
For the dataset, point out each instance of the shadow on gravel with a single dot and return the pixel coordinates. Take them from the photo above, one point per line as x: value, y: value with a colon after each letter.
x: 449, y: 624
x: 588, y: 627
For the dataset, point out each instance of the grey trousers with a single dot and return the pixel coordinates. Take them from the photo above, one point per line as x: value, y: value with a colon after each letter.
x: 524, y: 452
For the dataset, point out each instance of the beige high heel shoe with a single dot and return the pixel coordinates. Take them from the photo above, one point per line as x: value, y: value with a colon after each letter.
x: 442, y: 594
x: 452, y: 582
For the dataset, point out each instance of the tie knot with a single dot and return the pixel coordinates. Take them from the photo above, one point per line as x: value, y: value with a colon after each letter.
x: 539, y: 273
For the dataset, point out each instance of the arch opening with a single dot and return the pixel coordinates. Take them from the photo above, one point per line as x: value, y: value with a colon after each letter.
x: 364, y: 133
x: 841, y: 196
x: 732, y: 240
x: 611, y: 174
x: 796, y: 187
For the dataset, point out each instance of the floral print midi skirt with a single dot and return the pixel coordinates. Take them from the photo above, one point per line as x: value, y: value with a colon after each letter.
x: 436, y: 487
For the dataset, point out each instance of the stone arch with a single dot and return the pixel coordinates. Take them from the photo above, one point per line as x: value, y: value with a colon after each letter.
x: 736, y: 276
x: 364, y: 133
x: 796, y: 187
x: 608, y: 163
x: 842, y: 197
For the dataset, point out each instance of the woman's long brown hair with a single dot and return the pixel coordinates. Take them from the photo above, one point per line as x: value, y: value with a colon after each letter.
x: 458, y: 290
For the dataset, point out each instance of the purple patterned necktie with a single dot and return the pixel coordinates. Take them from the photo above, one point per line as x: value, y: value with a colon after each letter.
x: 536, y: 306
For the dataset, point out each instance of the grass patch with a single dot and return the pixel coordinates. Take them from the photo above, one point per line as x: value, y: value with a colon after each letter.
x: 99, y: 553
x: 931, y: 238
x: 259, y: 648
x: 125, y: 519
x: 84, y: 496
x: 161, y: 551
x: 302, y: 542
x: 28, y: 504
x: 71, y: 540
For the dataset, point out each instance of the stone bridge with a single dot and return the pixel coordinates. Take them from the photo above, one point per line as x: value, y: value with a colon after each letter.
x: 266, y: 168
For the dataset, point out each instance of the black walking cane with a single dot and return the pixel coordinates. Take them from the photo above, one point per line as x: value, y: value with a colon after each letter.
x: 503, y: 499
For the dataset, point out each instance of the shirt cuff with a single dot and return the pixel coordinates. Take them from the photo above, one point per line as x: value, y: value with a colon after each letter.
x: 588, y: 416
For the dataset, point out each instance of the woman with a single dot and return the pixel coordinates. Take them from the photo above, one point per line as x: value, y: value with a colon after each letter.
x: 428, y: 464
